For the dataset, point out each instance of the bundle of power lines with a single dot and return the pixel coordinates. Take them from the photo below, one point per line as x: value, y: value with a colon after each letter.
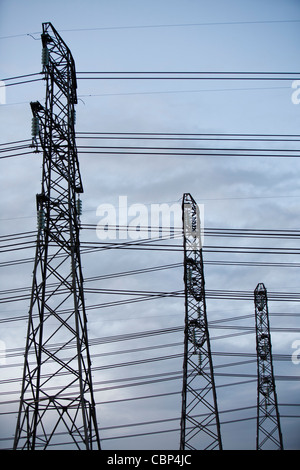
x: 163, y: 144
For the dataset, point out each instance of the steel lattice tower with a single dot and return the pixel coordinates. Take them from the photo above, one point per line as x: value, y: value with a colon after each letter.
x: 57, y: 403
x: 268, y: 434
x: 200, y: 426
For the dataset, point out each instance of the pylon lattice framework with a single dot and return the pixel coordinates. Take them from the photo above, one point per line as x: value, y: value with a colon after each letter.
x: 268, y: 435
x: 200, y: 426
x: 57, y: 402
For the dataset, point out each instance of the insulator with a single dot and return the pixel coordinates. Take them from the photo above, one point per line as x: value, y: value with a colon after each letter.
x: 187, y: 222
x: 200, y: 360
x: 45, y: 56
x: 72, y: 116
x: 79, y: 206
x: 35, y: 126
x: 40, y: 219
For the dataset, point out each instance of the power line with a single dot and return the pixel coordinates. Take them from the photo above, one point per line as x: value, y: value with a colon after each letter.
x: 187, y: 75
x: 142, y: 296
x: 16, y: 155
x: 23, y: 82
x: 184, y: 151
x: 176, y: 25
x: 21, y: 76
x: 188, y: 136
x: 180, y: 75
x: 286, y: 234
x: 155, y: 26
x: 15, y: 142
x: 158, y: 377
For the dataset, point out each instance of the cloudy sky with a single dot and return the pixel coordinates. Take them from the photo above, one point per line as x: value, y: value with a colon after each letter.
x: 237, y: 191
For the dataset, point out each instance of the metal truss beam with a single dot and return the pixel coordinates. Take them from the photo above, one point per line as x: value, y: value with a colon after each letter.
x: 200, y: 426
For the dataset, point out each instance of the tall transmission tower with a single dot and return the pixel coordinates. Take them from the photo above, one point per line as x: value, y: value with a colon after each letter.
x: 200, y: 426
x: 268, y: 435
x: 57, y: 403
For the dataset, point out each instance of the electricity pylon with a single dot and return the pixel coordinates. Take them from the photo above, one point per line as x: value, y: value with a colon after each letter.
x: 200, y: 426
x: 57, y: 403
x: 268, y: 434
